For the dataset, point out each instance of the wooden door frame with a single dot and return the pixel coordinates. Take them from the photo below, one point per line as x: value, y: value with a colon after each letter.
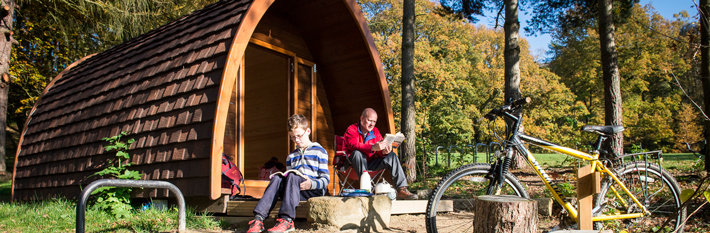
x: 293, y: 97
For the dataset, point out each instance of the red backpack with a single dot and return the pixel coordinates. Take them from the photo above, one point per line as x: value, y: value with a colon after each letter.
x: 231, y: 176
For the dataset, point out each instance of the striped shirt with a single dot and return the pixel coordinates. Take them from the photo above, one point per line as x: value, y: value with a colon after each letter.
x: 313, y: 162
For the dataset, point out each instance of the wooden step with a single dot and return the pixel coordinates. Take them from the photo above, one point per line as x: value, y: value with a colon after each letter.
x: 246, y: 208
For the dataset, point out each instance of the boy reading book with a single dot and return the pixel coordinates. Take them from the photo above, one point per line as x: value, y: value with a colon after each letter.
x: 310, y: 162
x: 296, y: 172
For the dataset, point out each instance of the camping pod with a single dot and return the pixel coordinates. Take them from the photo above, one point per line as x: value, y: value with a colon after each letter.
x: 221, y: 80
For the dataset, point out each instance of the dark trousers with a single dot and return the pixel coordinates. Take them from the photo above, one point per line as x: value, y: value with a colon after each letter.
x: 390, y: 162
x: 288, y: 190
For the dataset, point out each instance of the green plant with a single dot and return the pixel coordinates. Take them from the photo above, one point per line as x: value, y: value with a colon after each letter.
x: 698, y: 166
x: 116, y: 200
x: 438, y: 170
x: 567, y: 189
x: 637, y: 148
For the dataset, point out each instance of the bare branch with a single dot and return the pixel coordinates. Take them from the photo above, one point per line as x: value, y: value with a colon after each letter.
x: 691, y: 99
x: 498, y: 16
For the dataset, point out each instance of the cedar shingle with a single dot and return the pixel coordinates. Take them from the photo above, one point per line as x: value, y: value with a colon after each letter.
x: 153, y: 85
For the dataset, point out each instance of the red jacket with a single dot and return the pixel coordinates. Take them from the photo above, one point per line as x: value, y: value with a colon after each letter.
x: 354, y: 140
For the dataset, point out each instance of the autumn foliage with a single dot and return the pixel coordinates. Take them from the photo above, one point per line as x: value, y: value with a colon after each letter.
x: 459, y: 76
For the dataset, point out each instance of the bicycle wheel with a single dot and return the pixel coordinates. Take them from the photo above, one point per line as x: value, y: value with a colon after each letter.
x: 653, y: 186
x: 456, y: 191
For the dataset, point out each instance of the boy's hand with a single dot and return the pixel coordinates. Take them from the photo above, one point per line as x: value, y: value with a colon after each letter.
x: 306, y: 185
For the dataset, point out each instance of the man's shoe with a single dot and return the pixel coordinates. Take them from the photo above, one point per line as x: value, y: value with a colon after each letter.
x: 282, y: 225
x: 404, y: 194
x: 256, y: 226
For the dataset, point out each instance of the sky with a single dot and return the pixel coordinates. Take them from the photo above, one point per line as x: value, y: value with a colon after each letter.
x: 539, y: 43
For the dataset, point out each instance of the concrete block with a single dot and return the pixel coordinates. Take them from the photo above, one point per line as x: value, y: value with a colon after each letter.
x: 365, y: 214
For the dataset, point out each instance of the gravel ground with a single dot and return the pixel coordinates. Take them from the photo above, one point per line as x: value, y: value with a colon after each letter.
x: 398, y: 223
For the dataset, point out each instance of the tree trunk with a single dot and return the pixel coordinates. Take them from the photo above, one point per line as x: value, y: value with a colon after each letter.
x: 408, y: 112
x: 6, y: 45
x: 705, y: 71
x: 512, y: 62
x: 504, y: 214
x: 612, y: 79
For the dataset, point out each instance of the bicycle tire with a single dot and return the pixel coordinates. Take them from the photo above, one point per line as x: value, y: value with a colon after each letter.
x: 474, y: 183
x: 662, y: 198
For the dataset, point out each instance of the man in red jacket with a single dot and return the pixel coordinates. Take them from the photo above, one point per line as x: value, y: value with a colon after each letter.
x: 366, y: 151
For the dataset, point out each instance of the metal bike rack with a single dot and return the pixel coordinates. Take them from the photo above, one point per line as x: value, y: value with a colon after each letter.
x: 488, y: 152
x: 437, y: 154
x: 81, y: 206
x: 449, y: 151
x: 474, y: 152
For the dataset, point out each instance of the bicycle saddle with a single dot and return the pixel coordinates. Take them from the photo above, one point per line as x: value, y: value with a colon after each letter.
x: 606, y: 129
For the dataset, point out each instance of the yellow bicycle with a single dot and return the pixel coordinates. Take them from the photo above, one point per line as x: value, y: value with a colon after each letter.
x: 635, y: 195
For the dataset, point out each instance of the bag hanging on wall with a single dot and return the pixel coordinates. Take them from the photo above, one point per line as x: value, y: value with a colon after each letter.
x: 231, y: 176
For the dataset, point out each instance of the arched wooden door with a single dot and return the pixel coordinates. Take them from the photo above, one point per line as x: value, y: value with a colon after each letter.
x: 277, y: 84
x: 266, y: 107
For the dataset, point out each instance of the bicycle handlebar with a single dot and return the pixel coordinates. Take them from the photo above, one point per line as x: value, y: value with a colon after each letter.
x: 507, y: 108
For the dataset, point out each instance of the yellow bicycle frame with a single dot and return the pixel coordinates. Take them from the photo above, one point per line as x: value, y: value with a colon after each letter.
x: 593, y: 159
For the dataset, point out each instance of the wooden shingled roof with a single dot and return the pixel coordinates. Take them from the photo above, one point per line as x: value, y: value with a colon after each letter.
x: 162, y: 87
x: 169, y: 87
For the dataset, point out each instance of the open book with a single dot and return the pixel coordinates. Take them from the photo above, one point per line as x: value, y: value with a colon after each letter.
x: 394, y: 139
x: 284, y: 174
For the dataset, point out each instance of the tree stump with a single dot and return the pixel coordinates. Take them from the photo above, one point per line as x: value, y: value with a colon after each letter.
x: 505, y: 214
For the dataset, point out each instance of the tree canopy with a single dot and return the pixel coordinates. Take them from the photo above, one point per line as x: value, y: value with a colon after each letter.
x: 459, y: 69
x: 459, y: 74
x: 52, y: 34
x: 458, y: 66
x: 657, y: 57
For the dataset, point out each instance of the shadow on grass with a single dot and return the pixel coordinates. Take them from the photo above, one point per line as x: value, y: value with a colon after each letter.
x: 5, y: 186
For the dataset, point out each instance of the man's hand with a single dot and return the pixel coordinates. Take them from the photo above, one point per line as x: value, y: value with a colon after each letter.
x: 306, y: 185
x: 378, y: 146
x: 386, y: 150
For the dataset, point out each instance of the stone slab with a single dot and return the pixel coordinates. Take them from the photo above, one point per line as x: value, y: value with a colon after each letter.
x: 365, y: 214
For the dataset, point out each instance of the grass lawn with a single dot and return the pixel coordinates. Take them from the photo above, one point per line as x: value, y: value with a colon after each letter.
x: 58, y: 215
x: 680, y: 161
x: 545, y: 160
x: 671, y: 161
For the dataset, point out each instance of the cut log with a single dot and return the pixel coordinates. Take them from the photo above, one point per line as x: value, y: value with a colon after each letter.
x: 505, y: 214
